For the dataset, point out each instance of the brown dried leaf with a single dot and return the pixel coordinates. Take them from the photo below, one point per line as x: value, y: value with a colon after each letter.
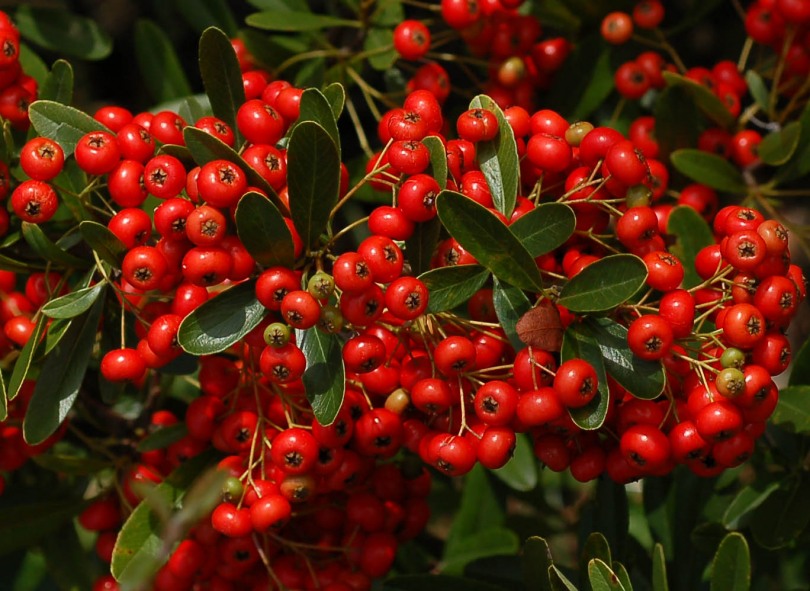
x: 541, y: 327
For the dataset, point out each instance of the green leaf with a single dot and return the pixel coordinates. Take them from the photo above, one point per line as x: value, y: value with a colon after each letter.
x: 800, y: 374
x: 63, y: 31
x: 434, y: 582
x: 623, y: 575
x: 498, y: 159
x: 336, y: 95
x: 520, y: 472
x: 315, y: 107
x: 74, y: 303
x: 602, y: 577
x: 545, y: 228
x: 3, y: 398
x: 388, y: 13
x: 23, y: 364
x: 536, y: 563
x: 66, y: 558
x: 204, y: 147
x: 61, y: 377
x: 379, y: 44
x: 43, y: 246
x: 708, y: 102
x: 58, y: 86
x: 559, y: 582
x: 746, y: 500
x: 438, y: 159
x: 222, y: 320
x: 692, y: 234
x: 489, y: 240
x: 659, y: 569
x: 600, y: 85
x: 139, y: 546
x: 731, y: 567
x: 495, y: 541
x: 510, y: 304
x: 759, y: 92
x: 106, y: 245
x: 784, y: 515
x: 161, y: 70
x: 201, y: 15
x: 162, y: 438
x: 604, y: 284
x: 672, y: 108
x: 643, y: 379
x: 221, y: 77
x: 24, y: 525
x: 793, y: 409
x: 596, y: 546
x: 263, y: 232
x: 452, y: 286
x: 313, y: 179
x: 32, y: 64
x: 709, y: 169
x: 292, y: 21
x: 578, y: 342
x: 9, y: 264
x: 71, y: 464
x: 480, y: 509
x: 420, y: 246
x: 778, y: 147
x: 325, y: 376
x: 799, y: 165
x: 61, y: 123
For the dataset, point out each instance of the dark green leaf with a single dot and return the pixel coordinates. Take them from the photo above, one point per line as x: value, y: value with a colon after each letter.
x: 388, y: 13
x: 48, y: 250
x: 602, y: 577
x: 315, y: 107
x: 67, y: 560
x: 709, y: 169
x: 289, y: 21
x: 731, y: 567
x: 495, y: 541
x: 336, y: 95
x: 659, y: 569
x: 438, y: 159
x: 558, y: 14
x: 488, y: 239
x: 204, y: 147
x: 76, y: 465
x: 221, y: 77
x: 759, y: 92
x: 263, y: 232
x: 58, y: 86
x: 420, y: 246
x: 545, y: 228
x: 379, y: 44
x: 106, y: 245
x: 578, y: 342
x: 510, y: 304
x: 624, y: 576
x: 604, y: 284
x: 692, y: 234
x: 596, y: 546
x: 32, y: 64
x: 600, y: 85
x: 778, y: 147
x: 61, y: 123
x: 222, y: 320
x: 74, y: 303
x: 23, y: 364
x: 498, y: 159
x: 161, y: 69
x: 746, y: 500
x: 63, y: 31
x: 313, y: 179
x: 609, y: 514
x: 163, y: 437
x: 24, y: 525
x: 202, y: 15
x: 708, y: 102
x: 800, y: 374
x: 536, y: 562
x: 559, y: 582
x: 793, y: 409
x: 643, y: 379
x: 672, y: 108
x: 325, y: 376
x: 61, y: 377
x: 3, y: 398
x: 452, y: 286
x: 480, y: 510
x: 520, y: 473
x: 139, y: 546
x: 9, y: 264
x: 434, y: 582
x: 784, y: 515
x: 799, y: 165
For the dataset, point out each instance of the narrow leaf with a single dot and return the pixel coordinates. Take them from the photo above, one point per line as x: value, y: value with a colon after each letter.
x: 161, y: 69
x: 61, y: 123
x: 731, y: 567
x: 222, y: 320
x: 709, y: 169
x: 336, y: 95
x: 291, y: 21
x: 315, y: 107
x: 659, y: 569
x: 520, y: 472
x: 74, y: 303
x: 793, y: 411
x: 48, y: 250
x: 578, y: 342
x: 759, y: 92
x: 74, y: 465
x: 3, y: 398
x: 162, y: 437
x: 799, y: 165
x: 604, y: 284
x: 24, y: 525
x: 536, y: 562
x: 498, y: 159
x: 672, y: 107
x: 545, y: 228
x: 778, y: 147
x: 313, y: 179
x: 438, y: 159
x: 63, y: 31
x: 61, y: 377
x: 106, y: 245
x: 559, y: 582
x: 58, y: 86
x: 221, y: 77
x: 692, y: 234
x: 420, y: 246
x: 495, y: 541
x: 480, y: 510
x: 263, y: 232
x: 379, y: 43
x: 66, y: 558
x: 600, y: 85
x: 489, y: 240
x: 23, y: 364
x: 784, y: 515
x: 708, y: 102
x: 800, y: 374
x: 747, y: 500
x: 510, y: 305
x: 602, y: 577
x: 325, y: 376
x: 436, y: 582
x: 452, y: 286
x: 202, y: 15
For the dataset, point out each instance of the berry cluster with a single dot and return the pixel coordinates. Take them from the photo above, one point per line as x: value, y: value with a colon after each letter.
x: 17, y: 89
